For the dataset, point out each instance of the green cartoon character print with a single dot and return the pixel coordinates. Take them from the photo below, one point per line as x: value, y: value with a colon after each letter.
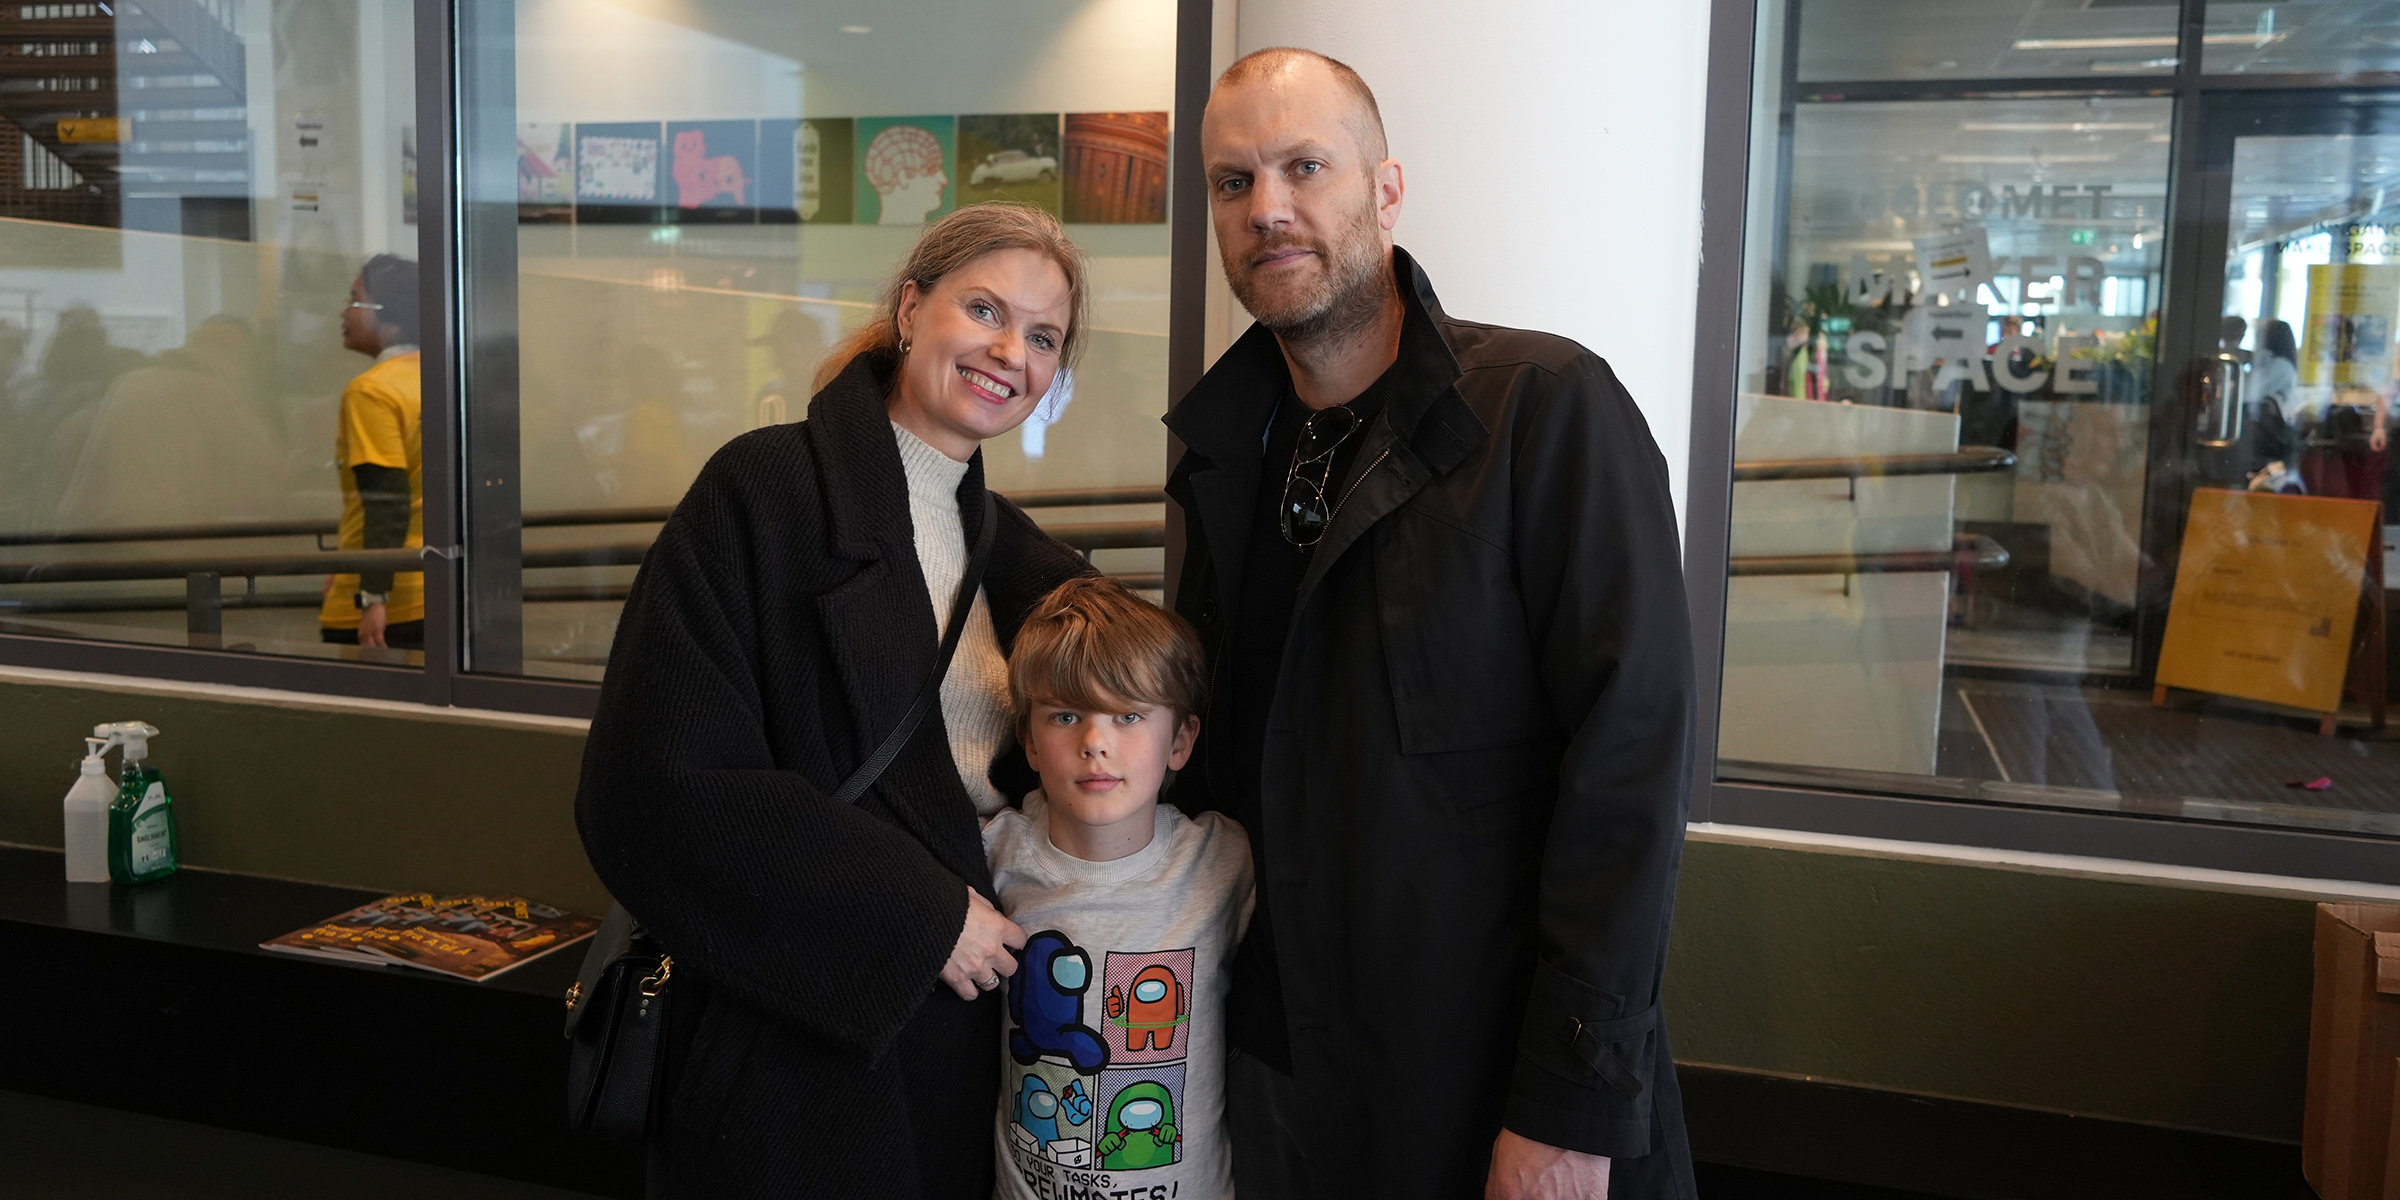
x: 1141, y: 1128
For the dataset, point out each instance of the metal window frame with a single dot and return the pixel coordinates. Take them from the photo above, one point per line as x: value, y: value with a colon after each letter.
x: 1709, y: 497
x: 472, y: 549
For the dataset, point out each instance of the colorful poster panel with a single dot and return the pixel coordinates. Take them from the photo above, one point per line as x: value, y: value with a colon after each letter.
x: 2267, y: 597
x: 1140, y: 1117
x: 1116, y: 168
x: 545, y: 172
x: 712, y: 171
x: 2351, y: 309
x: 904, y: 175
x: 617, y: 170
x: 1147, y: 1002
x: 1011, y: 157
x: 806, y: 171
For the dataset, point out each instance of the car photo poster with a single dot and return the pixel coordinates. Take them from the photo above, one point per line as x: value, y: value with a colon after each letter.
x: 1013, y: 157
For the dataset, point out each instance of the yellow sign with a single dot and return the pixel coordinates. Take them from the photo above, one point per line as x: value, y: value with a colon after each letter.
x: 2266, y: 597
x: 94, y: 129
x: 2351, y: 308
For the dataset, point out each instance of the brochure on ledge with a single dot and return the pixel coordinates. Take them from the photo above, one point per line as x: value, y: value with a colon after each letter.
x: 466, y: 937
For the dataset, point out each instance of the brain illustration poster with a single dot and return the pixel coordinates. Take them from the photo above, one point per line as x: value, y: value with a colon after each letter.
x: 905, y: 169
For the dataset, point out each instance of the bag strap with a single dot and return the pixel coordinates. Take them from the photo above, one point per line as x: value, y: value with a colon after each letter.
x: 968, y: 585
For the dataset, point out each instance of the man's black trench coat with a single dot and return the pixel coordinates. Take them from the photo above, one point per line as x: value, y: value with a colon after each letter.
x: 1476, y: 762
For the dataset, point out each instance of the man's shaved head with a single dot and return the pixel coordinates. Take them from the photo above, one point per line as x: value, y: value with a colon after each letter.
x: 1366, y: 119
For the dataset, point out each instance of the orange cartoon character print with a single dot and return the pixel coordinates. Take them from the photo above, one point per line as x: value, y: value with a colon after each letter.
x: 1158, y: 1003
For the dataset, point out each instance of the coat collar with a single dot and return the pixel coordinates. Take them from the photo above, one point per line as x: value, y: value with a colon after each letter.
x: 866, y: 488
x: 1225, y: 413
x: 1425, y: 430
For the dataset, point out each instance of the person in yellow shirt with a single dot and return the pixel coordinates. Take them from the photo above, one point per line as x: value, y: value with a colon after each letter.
x: 379, y: 449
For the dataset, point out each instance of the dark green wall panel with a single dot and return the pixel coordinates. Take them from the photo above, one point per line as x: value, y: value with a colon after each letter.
x: 2144, y: 1002
x: 2151, y: 1003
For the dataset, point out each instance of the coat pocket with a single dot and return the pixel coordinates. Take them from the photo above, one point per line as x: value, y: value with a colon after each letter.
x: 1458, y: 651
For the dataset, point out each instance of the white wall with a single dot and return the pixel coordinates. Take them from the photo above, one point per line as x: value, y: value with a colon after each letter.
x: 1552, y: 154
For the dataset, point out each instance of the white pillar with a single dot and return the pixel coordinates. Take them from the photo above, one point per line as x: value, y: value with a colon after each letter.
x: 1552, y: 155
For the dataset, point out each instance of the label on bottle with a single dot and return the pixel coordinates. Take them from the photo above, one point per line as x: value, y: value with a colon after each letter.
x: 152, y: 846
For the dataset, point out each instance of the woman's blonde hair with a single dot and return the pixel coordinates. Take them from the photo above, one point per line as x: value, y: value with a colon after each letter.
x: 953, y: 242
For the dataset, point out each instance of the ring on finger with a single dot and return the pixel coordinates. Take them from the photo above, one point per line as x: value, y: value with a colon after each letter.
x: 989, y: 984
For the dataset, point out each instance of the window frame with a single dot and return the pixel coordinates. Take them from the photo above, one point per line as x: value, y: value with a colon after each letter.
x: 1725, y: 194
x: 471, y: 550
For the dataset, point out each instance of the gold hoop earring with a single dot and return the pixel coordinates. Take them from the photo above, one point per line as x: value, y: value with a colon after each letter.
x: 904, y: 345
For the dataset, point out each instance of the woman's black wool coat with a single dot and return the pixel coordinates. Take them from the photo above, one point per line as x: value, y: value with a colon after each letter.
x: 779, y: 628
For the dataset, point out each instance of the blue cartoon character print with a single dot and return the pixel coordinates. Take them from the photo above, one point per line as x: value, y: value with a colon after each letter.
x: 1037, y: 1110
x: 1045, y: 1001
x: 1075, y: 1102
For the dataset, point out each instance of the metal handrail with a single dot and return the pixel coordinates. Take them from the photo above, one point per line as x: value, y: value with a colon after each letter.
x: 1969, y: 551
x: 555, y: 519
x: 1968, y: 460
x: 1086, y: 536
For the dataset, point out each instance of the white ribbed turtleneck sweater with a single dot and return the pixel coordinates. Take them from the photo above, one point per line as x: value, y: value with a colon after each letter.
x: 975, y: 707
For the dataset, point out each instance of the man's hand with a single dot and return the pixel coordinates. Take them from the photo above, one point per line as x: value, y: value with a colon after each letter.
x: 1524, y: 1169
x: 371, y: 624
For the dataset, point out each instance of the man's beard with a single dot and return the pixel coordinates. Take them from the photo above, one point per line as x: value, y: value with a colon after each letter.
x: 1346, y: 297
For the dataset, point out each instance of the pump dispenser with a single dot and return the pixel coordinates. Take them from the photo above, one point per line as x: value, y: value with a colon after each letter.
x: 141, y: 821
x: 87, y: 816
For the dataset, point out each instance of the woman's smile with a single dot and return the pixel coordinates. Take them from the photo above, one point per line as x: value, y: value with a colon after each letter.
x: 986, y: 388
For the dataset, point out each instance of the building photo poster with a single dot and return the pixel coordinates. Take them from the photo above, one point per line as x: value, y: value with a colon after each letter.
x: 2351, y: 309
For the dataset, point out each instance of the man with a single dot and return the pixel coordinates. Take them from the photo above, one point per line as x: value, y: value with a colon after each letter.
x: 379, y: 450
x: 1435, y: 566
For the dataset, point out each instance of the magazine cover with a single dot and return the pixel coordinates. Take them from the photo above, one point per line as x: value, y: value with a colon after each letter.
x: 471, y: 937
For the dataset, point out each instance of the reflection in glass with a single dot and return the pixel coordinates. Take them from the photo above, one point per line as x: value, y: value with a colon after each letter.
x: 2012, y: 39
x: 2288, y: 37
x: 706, y: 197
x: 193, y: 189
x: 1986, y: 546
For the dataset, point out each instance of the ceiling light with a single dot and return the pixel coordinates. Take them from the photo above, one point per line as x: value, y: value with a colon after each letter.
x: 858, y: 29
x: 2161, y: 42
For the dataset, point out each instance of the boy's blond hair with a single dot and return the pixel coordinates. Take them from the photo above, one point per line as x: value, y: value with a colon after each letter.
x: 1091, y: 644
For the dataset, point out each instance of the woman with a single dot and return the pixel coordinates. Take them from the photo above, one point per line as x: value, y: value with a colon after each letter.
x: 2274, y: 372
x: 834, y: 964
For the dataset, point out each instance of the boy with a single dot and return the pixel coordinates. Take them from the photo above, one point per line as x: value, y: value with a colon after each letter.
x: 1114, y: 1060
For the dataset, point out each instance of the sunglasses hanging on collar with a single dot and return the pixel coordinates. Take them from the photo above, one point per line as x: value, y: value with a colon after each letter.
x: 1305, y: 511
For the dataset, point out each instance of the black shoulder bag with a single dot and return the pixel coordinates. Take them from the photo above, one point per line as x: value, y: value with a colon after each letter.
x: 617, y: 1010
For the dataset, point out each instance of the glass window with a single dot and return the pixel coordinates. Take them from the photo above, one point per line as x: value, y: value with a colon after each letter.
x: 2330, y: 36
x: 2012, y: 521
x: 674, y: 211
x: 189, y: 191
x: 1848, y: 40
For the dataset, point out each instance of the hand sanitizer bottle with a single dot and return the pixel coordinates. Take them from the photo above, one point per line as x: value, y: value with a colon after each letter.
x: 141, y: 821
x: 87, y: 816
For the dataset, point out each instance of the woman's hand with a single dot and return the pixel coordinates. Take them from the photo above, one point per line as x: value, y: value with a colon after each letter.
x: 982, y: 955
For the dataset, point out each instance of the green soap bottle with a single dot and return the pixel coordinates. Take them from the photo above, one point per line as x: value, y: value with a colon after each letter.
x: 141, y: 821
